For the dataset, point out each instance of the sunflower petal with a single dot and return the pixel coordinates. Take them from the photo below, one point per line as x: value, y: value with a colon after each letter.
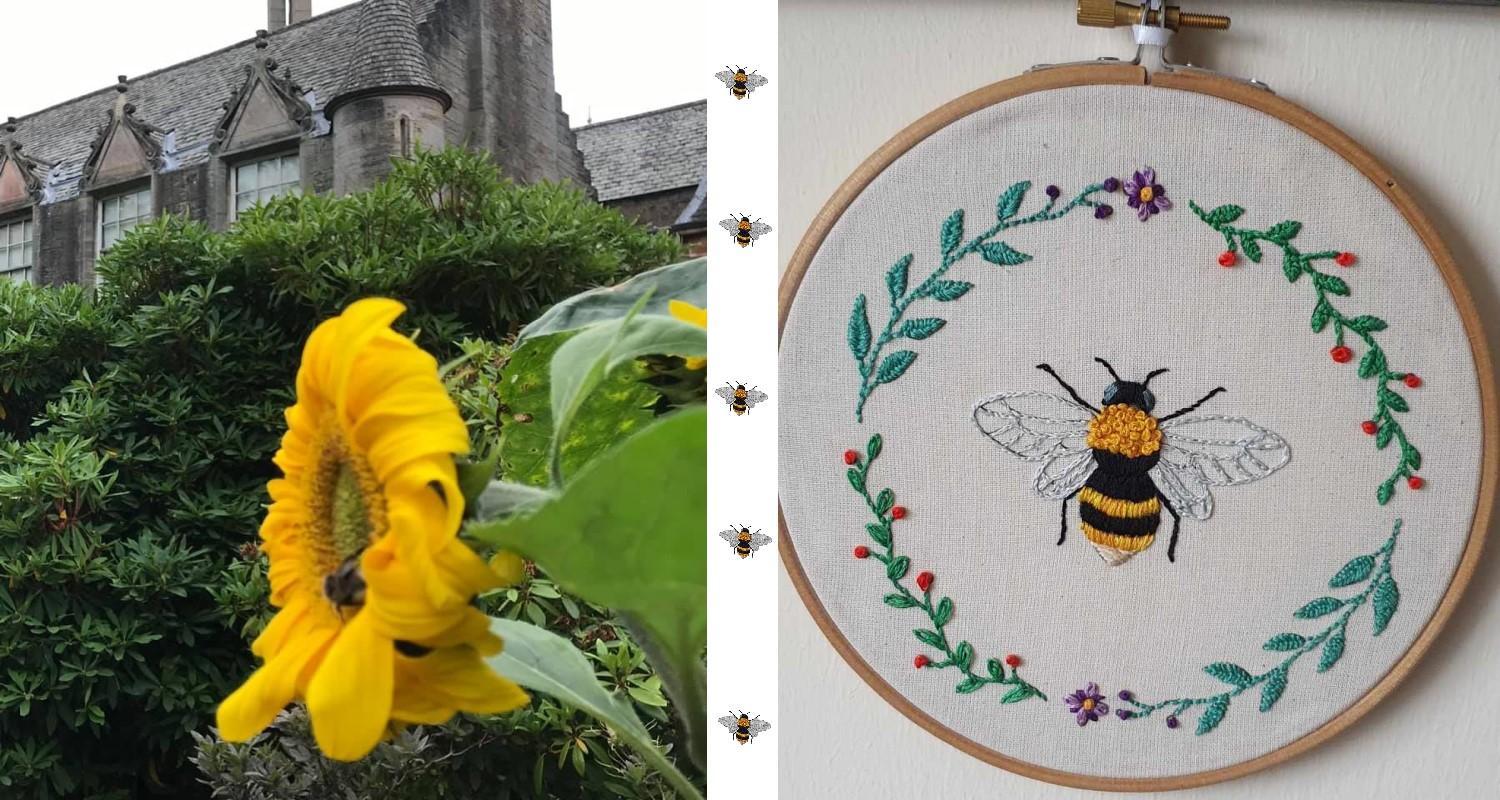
x: 250, y: 708
x: 436, y: 686
x: 349, y: 698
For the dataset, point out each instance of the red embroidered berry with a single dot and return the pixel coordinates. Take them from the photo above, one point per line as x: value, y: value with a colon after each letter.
x: 1412, y: 380
x: 1416, y: 482
x: 1013, y: 660
x: 1228, y: 258
x: 1369, y: 427
x: 920, y: 662
x: 1341, y: 354
x: 924, y: 581
x: 899, y: 512
x: 850, y: 457
x: 861, y: 552
x: 1344, y: 259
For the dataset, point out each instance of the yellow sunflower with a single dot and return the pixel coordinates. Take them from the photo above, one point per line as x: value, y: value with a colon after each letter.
x: 372, y: 583
x: 692, y: 315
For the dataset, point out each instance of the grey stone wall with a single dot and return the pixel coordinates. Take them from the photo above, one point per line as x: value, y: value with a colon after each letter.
x: 658, y: 209
x: 65, y: 238
x: 366, y: 136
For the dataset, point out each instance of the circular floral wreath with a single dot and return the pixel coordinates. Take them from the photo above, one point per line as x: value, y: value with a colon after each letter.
x: 1368, y: 575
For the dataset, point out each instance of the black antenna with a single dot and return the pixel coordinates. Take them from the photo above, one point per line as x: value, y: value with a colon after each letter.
x: 1112, y: 372
x: 1152, y: 374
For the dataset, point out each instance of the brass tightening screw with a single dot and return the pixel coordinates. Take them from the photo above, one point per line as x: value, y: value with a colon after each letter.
x: 1109, y: 14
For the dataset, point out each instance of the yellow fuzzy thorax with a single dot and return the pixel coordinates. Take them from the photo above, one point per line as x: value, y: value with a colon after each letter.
x: 1125, y: 430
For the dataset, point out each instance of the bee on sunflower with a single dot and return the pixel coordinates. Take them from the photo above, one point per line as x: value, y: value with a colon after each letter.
x: 375, y: 625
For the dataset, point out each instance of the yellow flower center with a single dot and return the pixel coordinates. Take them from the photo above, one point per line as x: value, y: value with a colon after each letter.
x: 1147, y: 194
x: 347, y: 509
x: 1088, y: 704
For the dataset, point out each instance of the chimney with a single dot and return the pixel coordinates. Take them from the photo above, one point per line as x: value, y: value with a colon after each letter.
x: 281, y: 13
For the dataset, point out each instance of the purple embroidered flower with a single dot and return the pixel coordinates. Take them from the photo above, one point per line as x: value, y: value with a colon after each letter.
x: 1146, y: 196
x: 1103, y: 210
x: 1088, y: 704
x: 1111, y: 184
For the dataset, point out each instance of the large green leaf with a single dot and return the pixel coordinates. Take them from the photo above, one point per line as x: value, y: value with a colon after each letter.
x: 544, y: 662
x: 627, y: 533
x: 687, y: 281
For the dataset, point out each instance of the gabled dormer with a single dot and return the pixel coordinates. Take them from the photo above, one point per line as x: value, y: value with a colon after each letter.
x: 267, y: 108
x: 126, y: 148
x: 23, y: 179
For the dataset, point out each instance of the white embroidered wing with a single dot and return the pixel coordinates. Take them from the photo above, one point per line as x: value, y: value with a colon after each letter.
x: 726, y: 393
x: 752, y: 397
x: 726, y: 77
x: 758, y: 726
x: 754, y: 81
x: 1037, y: 426
x: 759, y: 540
x: 1199, y: 453
x: 730, y: 535
x: 759, y: 229
x: 732, y: 723
x: 731, y: 224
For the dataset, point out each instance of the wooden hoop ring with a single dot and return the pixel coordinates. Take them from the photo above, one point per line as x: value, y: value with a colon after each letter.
x: 1347, y: 149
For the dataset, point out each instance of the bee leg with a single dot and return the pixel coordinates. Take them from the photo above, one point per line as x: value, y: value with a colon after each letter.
x: 1176, y: 525
x: 1064, y: 534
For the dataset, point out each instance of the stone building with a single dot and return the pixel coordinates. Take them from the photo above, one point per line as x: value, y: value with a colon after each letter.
x: 312, y: 104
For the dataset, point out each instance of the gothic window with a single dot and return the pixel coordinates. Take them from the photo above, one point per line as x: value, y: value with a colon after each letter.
x: 406, y: 144
x: 17, y: 250
x: 121, y: 212
x: 259, y: 181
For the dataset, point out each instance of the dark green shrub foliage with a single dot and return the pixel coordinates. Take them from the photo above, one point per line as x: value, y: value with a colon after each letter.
x: 140, y: 427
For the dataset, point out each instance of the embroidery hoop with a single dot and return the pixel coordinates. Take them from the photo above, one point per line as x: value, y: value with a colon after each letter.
x: 1346, y: 149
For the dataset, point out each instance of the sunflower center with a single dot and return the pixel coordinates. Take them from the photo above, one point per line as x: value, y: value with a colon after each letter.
x: 350, y: 519
x: 347, y: 507
x: 1147, y: 193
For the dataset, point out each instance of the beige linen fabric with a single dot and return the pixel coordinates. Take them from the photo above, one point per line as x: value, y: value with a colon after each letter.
x: 1143, y: 295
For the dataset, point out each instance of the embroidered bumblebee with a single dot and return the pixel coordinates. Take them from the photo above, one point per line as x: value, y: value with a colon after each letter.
x: 741, y: 83
x: 743, y: 727
x: 740, y: 399
x: 1125, y: 465
x: 743, y: 542
x: 743, y: 231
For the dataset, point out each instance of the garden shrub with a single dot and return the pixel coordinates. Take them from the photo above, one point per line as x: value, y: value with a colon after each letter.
x: 140, y: 426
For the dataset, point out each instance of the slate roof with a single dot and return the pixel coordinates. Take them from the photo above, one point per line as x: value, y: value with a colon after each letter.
x: 387, y: 52
x: 645, y: 153
x: 187, y: 98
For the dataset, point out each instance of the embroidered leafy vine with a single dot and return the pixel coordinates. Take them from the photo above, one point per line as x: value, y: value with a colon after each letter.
x: 1373, y: 570
x: 939, y: 613
x: 875, y: 366
x: 1383, y: 424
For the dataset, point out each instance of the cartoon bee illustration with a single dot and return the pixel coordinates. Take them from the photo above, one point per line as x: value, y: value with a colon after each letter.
x: 740, y: 399
x: 742, y: 541
x: 1125, y: 465
x: 743, y: 231
x: 743, y: 727
x: 739, y: 82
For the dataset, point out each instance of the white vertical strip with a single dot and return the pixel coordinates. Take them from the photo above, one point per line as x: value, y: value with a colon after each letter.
x: 742, y: 449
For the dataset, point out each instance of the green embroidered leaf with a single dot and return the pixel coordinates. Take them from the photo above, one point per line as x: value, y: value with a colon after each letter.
x: 1383, y: 435
x: 873, y: 447
x: 1387, y: 597
x: 1366, y: 323
x: 964, y: 655
x: 1321, y: 607
x: 1331, y: 284
x: 1322, y: 312
x: 1271, y: 690
x: 896, y: 570
x: 1232, y: 674
x: 1333, y: 650
x: 1285, y: 641
x: 880, y: 533
x: 953, y: 231
x: 944, y: 291
x: 884, y: 501
x: 996, y: 670
x: 1383, y: 494
x: 1010, y: 202
x: 943, y: 612
x: 930, y: 638
x: 1281, y: 232
x: 1251, y: 248
x: 1353, y: 572
x: 895, y: 278
x: 897, y: 600
x: 1412, y: 457
x: 1017, y: 694
x: 1372, y: 363
x: 858, y: 334
x: 856, y: 479
x: 1291, y: 267
x: 969, y: 684
x: 1213, y: 715
x: 922, y: 327
x: 1388, y: 398
x: 1002, y: 254
x: 1223, y: 215
x: 894, y: 366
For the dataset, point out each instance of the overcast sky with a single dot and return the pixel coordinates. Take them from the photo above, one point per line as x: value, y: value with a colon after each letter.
x: 612, y: 58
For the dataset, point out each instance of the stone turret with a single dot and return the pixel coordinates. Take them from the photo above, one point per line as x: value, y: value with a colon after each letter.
x: 388, y: 102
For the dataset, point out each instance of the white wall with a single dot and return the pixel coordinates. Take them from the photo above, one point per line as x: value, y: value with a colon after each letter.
x: 1417, y: 84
